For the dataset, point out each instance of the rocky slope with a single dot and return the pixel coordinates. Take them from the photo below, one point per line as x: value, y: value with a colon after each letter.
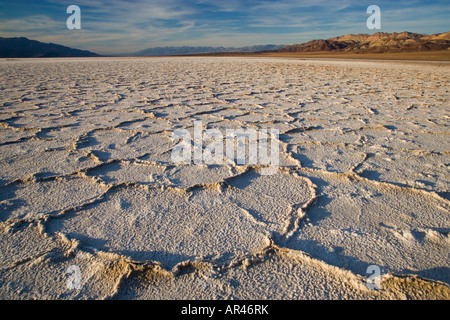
x: 376, y: 43
x: 25, y: 48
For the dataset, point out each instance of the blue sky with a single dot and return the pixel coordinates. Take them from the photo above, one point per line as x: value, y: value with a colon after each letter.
x: 119, y: 26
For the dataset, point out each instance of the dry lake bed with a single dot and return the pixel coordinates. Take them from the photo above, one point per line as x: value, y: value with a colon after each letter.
x: 93, y: 205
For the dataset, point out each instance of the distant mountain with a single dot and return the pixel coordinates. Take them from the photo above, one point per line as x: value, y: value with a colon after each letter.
x: 26, y: 48
x: 377, y: 43
x: 186, y: 50
x: 361, y: 43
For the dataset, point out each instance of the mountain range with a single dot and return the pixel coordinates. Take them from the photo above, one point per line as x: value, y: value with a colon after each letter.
x: 25, y: 48
x: 185, y: 50
x: 377, y: 43
x: 361, y: 43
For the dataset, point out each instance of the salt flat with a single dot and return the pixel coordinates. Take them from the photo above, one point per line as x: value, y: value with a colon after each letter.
x: 87, y: 179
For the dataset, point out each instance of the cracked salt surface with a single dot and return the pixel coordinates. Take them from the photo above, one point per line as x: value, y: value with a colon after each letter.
x: 87, y: 179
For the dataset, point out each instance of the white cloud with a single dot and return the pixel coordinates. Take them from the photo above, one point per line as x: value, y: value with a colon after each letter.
x: 127, y: 26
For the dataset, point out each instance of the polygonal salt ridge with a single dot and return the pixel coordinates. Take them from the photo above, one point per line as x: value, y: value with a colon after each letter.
x: 415, y: 169
x: 112, y: 144
x: 56, y: 261
x: 163, y: 225
x: 9, y: 135
x: 37, y: 199
x: 302, y: 80
x: 139, y: 172
x: 359, y: 222
x: 315, y: 134
x: 182, y: 111
x: 117, y: 172
x: 147, y: 125
x: 280, y: 200
x: 209, y: 221
x: 288, y: 274
x: 28, y: 237
x: 265, y: 121
x: 403, y: 140
x: 37, y: 159
x: 41, y: 121
x: 96, y: 119
x: 328, y: 157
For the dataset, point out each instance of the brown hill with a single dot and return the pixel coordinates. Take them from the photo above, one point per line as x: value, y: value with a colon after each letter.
x: 379, y: 42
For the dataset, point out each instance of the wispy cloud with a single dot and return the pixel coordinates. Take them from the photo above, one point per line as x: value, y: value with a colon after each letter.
x: 119, y: 26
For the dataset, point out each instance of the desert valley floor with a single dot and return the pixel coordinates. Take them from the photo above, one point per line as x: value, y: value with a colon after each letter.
x: 93, y: 207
